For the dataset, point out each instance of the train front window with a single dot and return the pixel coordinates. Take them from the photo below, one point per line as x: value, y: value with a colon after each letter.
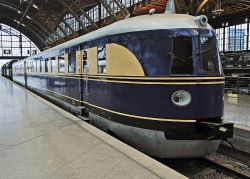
x: 181, y: 56
x: 209, y: 62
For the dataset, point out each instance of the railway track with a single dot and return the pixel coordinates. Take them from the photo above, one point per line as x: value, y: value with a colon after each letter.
x: 214, y: 166
x: 226, y: 165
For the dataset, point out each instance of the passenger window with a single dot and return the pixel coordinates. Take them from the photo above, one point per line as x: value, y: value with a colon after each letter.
x: 27, y: 66
x: 53, y: 65
x: 46, y: 65
x: 41, y: 65
x: 84, y: 62
x: 61, y: 64
x: 34, y: 66
x: 181, y: 57
x: 31, y: 66
x: 72, y: 62
x: 38, y: 66
x: 101, y: 59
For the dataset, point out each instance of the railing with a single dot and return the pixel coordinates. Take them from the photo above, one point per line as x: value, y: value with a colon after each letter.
x: 238, y: 85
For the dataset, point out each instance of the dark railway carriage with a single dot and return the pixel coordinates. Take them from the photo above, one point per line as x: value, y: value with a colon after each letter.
x: 7, y: 69
x: 155, y: 81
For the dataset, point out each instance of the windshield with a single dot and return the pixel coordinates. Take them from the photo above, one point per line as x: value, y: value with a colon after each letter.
x: 209, y: 62
x: 181, y: 56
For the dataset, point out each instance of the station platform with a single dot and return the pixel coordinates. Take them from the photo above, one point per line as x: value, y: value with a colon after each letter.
x: 40, y: 140
x: 237, y: 109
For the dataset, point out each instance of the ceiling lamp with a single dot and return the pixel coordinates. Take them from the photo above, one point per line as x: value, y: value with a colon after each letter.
x: 35, y: 6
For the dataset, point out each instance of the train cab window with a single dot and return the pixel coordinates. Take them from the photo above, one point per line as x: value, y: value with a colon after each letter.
x: 102, y: 59
x: 181, y: 56
x: 61, y: 64
x: 208, y: 52
x: 84, y: 61
x: 53, y: 64
x: 46, y: 65
x: 72, y: 62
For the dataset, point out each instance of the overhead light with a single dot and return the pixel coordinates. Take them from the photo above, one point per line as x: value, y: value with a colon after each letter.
x: 19, y: 12
x: 16, y: 21
x: 28, y: 17
x: 35, y: 6
x: 23, y: 25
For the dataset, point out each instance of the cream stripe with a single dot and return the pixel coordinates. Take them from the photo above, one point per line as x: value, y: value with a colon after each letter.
x: 128, y: 77
x: 160, y: 83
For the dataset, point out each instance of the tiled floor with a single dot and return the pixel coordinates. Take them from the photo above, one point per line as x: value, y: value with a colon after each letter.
x: 36, y: 141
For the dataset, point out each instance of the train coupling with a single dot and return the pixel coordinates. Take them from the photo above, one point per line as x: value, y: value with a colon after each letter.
x: 216, y: 131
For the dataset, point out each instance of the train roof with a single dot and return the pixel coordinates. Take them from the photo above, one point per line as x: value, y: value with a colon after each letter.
x: 133, y: 24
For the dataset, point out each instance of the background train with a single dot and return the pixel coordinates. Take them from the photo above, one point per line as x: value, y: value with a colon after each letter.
x: 155, y: 81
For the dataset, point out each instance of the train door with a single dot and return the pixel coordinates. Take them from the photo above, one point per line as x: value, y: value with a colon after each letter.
x: 90, y: 68
x: 79, y: 72
x: 85, y: 71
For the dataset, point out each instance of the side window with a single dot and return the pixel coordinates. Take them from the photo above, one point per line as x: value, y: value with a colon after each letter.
x: 181, y: 57
x: 101, y: 60
x: 37, y: 66
x: 53, y: 65
x: 46, y: 65
x: 72, y: 62
x: 41, y: 65
x: 28, y: 66
x: 61, y: 64
x: 84, y: 61
x: 31, y: 66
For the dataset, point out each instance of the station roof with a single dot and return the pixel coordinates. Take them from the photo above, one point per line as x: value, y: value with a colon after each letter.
x: 38, y: 19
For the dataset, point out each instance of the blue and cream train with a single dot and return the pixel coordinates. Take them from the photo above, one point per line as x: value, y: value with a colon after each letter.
x: 155, y: 81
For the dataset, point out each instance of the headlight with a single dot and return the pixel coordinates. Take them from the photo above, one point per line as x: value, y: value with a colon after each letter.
x: 181, y: 98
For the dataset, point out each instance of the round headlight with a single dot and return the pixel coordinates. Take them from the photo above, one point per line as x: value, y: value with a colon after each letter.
x: 181, y: 98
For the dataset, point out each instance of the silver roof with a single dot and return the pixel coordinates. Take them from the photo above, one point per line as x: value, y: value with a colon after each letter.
x: 139, y: 23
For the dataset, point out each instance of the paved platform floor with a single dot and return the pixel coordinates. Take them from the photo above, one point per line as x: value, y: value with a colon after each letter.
x: 237, y: 109
x: 38, y: 141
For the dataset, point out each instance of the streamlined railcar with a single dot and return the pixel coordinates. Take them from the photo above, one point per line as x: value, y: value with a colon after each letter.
x: 155, y: 81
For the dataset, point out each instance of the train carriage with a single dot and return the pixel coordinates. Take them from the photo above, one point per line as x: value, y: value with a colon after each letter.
x: 155, y: 81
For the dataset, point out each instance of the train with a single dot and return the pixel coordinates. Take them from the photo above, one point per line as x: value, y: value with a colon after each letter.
x: 7, y: 69
x: 155, y: 81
